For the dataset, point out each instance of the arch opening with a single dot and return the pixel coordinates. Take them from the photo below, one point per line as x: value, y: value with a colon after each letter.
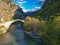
x: 15, y: 25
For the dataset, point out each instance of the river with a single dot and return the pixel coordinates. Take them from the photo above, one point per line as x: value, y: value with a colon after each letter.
x: 17, y: 37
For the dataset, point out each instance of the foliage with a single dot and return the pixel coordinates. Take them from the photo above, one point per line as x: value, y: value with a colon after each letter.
x: 7, y: 9
x: 51, y: 10
x: 31, y: 23
x: 2, y: 30
x: 7, y: 1
x: 50, y: 31
x: 49, y: 17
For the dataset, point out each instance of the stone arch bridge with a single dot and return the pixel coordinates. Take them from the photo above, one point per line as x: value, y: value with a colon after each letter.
x: 5, y: 26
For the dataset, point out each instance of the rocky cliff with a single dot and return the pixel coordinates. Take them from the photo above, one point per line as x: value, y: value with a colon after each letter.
x: 7, y: 9
x: 19, y: 14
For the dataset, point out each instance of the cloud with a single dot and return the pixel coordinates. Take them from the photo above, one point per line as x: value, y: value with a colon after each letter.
x: 41, y: 0
x: 37, y: 7
x: 25, y: 10
x: 22, y: 2
x: 33, y: 5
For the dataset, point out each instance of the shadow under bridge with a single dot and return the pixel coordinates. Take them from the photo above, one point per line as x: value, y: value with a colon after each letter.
x: 14, y: 25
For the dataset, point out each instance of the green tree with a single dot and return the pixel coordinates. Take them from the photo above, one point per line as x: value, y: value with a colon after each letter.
x: 50, y: 31
x: 31, y: 24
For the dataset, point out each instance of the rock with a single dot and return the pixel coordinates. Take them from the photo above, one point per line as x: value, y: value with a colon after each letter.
x: 7, y: 10
x: 34, y: 36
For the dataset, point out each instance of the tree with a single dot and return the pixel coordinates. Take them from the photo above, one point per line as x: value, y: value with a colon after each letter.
x: 31, y: 24
x: 50, y: 31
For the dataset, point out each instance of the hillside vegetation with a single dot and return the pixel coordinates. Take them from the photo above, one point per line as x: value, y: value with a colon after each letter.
x: 49, y: 27
x: 7, y: 9
x: 49, y: 11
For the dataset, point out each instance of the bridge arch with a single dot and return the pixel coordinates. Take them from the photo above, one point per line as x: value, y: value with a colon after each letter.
x: 14, y: 24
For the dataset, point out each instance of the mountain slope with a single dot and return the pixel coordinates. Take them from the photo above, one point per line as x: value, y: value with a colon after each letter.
x: 49, y: 10
x: 7, y: 9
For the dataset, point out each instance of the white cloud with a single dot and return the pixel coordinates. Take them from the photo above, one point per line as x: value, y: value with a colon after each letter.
x: 41, y: 0
x: 33, y: 9
x: 37, y: 7
x: 25, y: 10
x: 22, y: 2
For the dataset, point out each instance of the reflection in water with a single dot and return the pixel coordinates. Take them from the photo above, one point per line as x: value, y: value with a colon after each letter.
x: 7, y: 39
x: 16, y: 37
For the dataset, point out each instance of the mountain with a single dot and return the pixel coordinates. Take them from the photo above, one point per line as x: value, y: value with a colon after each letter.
x: 49, y: 9
x: 48, y: 2
x: 30, y: 13
x: 7, y: 9
x: 19, y: 14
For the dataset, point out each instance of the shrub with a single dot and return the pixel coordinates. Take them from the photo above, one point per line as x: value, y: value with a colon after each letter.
x: 50, y: 31
x: 31, y: 23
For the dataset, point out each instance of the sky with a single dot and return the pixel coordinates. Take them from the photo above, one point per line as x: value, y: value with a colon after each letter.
x: 29, y: 5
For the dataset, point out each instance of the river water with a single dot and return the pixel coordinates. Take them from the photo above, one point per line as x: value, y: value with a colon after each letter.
x: 17, y: 37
